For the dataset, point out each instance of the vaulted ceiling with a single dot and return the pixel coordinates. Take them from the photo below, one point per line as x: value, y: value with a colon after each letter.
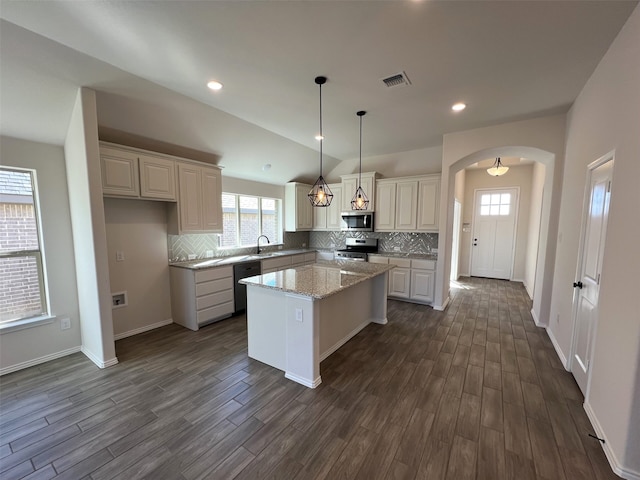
x: 150, y: 62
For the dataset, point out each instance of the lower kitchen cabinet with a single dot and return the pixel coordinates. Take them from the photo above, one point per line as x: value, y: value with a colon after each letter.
x: 202, y: 296
x: 400, y: 278
x: 270, y: 265
x: 412, y: 279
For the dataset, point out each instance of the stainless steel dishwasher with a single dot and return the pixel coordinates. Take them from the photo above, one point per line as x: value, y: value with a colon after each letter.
x: 240, y: 271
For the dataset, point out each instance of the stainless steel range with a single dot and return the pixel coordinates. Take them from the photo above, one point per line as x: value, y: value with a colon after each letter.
x: 357, y: 249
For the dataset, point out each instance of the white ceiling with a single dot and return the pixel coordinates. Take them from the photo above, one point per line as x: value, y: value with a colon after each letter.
x: 506, y: 60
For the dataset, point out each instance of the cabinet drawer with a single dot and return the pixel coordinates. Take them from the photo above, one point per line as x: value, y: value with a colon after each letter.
x: 424, y: 264
x: 276, y: 263
x: 214, y: 299
x: 297, y: 260
x: 213, y: 274
x: 378, y: 259
x: 310, y: 257
x: 218, y: 311
x: 213, y: 286
x: 400, y: 262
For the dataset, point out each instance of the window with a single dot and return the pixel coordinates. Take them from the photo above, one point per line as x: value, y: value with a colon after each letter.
x: 245, y: 218
x: 22, y: 292
x: 495, y: 204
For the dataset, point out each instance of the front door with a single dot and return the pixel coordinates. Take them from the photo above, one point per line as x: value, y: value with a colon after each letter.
x: 495, y: 214
x: 588, y: 284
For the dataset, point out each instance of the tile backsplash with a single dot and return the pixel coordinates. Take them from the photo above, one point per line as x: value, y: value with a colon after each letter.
x: 405, y: 242
x: 181, y: 246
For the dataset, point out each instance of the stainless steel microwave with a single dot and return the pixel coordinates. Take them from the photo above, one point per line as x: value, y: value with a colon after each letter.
x: 357, y: 221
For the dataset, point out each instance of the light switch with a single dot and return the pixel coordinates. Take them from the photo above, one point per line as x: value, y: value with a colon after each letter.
x: 119, y: 256
x: 299, y: 314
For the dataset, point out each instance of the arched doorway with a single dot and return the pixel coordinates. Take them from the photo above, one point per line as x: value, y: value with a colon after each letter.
x: 541, y: 260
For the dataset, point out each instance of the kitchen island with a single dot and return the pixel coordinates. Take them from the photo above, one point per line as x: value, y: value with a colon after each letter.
x: 298, y: 317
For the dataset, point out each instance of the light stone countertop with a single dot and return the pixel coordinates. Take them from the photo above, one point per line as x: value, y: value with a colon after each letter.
x: 232, y: 260
x: 319, y: 280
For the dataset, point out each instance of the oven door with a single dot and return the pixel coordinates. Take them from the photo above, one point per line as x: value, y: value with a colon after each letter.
x: 351, y: 257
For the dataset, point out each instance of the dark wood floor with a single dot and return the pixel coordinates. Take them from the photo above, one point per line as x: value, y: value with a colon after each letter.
x: 473, y: 392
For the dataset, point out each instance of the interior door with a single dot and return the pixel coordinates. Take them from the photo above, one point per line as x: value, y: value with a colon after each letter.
x: 588, y: 284
x: 495, y: 213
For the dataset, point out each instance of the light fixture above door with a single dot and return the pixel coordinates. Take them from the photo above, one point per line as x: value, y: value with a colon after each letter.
x: 360, y: 200
x: 320, y: 194
x: 497, y: 169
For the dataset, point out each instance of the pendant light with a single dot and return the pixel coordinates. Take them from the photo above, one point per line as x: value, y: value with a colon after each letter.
x: 320, y: 195
x: 360, y: 200
x: 497, y: 169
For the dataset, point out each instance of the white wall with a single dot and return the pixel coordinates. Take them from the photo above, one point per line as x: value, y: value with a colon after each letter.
x: 533, y: 229
x: 540, y: 139
x: 606, y: 117
x: 402, y: 164
x: 28, y: 347
x: 519, y: 176
x: 138, y: 228
x: 82, y: 156
x: 248, y: 187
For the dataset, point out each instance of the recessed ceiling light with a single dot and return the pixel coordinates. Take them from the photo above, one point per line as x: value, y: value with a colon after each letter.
x: 214, y: 85
x: 266, y: 167
x: 458, y: 107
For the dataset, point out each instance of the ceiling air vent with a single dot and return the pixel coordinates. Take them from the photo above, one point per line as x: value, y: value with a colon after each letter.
x: 397, y: 80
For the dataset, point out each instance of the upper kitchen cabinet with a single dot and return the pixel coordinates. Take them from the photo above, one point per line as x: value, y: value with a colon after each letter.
x: 119, y: 170
x: 298, y: 209
x: 350, y: 185
x: 157, y: 178
x: 428, y: 203
x: 199, y: 208
x: 408, y: 204
x: 329, y: 218
x: 134, y: 173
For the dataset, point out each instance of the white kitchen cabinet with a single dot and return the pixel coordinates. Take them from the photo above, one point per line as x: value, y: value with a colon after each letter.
x: 199, y: 200
x: 157, y: 178
x: 385, y: 217
x: 329, y: 218
x: 202, y: 296
x: 412, y: 279
x: 134, y: 173
x: 428, y: 203
x: 350, y: 185
x: 298, y: 208
x: 120, y: 176
x: 406, y: 205
x: 283, y: 262
x: 400, y: 278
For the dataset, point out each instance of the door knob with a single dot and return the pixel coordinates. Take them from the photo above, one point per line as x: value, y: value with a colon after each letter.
x: 577, y: 284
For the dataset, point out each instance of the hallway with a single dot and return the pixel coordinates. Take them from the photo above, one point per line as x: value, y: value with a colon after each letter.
x: 475, y: 392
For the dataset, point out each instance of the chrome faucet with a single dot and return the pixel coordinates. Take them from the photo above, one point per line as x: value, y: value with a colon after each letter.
x: 258, y: 241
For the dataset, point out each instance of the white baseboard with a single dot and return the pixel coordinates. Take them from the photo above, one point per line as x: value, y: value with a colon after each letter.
x: 536, y: 320
x: 528, y: 289
x: 303, y: 381
x: 101, y: 364
x: 441, y: 308
x: 611, y: 456
x: 146, y: 328
x: 38, y: 361
x: 559, y: 351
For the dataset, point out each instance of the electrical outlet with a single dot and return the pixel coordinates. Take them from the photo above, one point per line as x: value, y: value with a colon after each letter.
x: 119, y: 256
x: 434, y: 250
x: 65, y: 323
x: 299, y: 314
x: 209, y: 253
x: 304, y: 245
x: 192, y: 256
x: 396, y: 249
x: 332, y: 245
